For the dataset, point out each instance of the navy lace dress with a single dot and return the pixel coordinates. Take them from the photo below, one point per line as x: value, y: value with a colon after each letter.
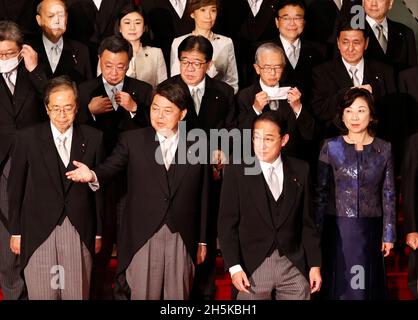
x: 355, y: 209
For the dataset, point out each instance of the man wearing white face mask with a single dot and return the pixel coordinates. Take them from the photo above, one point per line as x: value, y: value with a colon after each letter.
x: 57, y: 54
x: 21, y: 86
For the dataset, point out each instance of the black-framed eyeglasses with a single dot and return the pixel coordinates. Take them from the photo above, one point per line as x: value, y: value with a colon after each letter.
x: 269, y: 68
x: 291, y: 19
x: 195, y: 64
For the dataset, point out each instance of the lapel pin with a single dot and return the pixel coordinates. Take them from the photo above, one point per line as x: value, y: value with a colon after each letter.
x: 75, y: 59
x: 83, y: 148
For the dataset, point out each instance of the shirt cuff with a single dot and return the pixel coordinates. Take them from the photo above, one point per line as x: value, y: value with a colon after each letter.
x: 132, y: 114
x: 202, y: 244
x: 16, y: 236
x: 256, y: 111
x: 98, y: 237
x: 235, y: 269
x: 94, y: 186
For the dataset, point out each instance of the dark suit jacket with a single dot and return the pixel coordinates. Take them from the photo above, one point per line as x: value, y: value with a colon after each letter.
x: 74, y: 61
x: 151, y: 198
x: 301, y: 130
x: 23, y: 13
x: 114, y: 122
x: 331, y: 80
x: 311, y: 55
x: 245, y: 226
x: 217, y: 108
x: 401, y: 52
x: 165, y: 24
x: 37, y: 196
x: 410, y: 185
x: 89, y: 25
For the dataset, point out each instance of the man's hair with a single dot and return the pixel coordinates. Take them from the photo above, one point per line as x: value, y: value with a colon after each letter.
x: 10, y: 31
x: 116, y: 44
x: 196, y: 43
x: 269, y: 46
x: 347, y: 100
x: 344, y: 24
x: 173, y: 92
x: 59, y: 83
x: 39, y: 6
x: 275, y: 118
x: 294, y: 3
x: 197, y: 4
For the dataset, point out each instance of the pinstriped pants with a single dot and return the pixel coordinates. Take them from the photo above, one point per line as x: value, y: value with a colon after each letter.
x: 11, y: 282
x: 60, y: 268
x: 277, y: 275
x: 161, y: 269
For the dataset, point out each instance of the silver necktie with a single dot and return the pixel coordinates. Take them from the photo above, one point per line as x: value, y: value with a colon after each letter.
x: 273, y: 183
x: 196, y: 99
x: 55, y: 56
x: 292, y: 56
x: 354, y: 77
x: 254, y: 7
x: 339, y: 4
x: 9, y: 82
x: 167, y: 155
x: 381, y: 38
x: 62, y: 150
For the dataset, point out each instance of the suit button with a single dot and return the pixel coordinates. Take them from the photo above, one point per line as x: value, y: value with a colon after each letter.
x: 165, y: 199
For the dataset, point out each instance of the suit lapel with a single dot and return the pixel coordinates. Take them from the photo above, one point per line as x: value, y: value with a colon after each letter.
x: 341, y: 75
x: 21, y: 90
x: 289, y: 193
x: 66, y: 59
x: 106, y: 8
x: 49, y: 152
x: 78, y: 149
x: 180, y: 169
x: 151, y: 144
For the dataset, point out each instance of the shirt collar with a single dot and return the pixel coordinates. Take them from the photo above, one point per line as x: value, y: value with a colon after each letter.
x: 276, y: 164
x: 56, y: 133
x: 271, y: 91
x: 200, y: 86
x: 359, y: 66
x: 373, y: 23
x: 286, y: 44
x: 49, y: 44
x: 119, y: 86
x: 174, y: 138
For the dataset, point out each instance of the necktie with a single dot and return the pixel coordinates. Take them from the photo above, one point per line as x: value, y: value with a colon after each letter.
x: 196, y: 99
x: 273, y: 182
x: 381, y: 38
x: 168, y: 156
x: 254, y: 7
x: 179, y: 8
x: 354, y: 77
x: 62, y: 150
x: 9, y: 82
x: 274, y: 104
x: 339, y: 4
x: 113, y: 98
x: 292, y: 56
x: 55, y: 56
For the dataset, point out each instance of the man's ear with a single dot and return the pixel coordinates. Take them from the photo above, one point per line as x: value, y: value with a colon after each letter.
x: 285, y: 139
x: 38, y: 19
x: 183, y: 114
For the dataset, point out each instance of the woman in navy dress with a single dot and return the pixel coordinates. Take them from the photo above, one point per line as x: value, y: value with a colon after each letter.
x: 355, y: 204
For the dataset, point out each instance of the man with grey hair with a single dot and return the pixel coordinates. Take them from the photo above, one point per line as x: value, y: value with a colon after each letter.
x: 269, y: 94
x: 21, y: 86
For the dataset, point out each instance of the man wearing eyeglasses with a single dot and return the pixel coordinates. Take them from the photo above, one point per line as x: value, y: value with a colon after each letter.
x: 211, y: 107
x: 112, y: 103
x: 55, y: 224
x: 270, y: 94
x: 21, y: 85
x: 301, y: 55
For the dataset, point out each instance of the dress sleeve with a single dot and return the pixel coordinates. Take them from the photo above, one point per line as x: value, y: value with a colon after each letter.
x: 322, y: 190
x: 389, y: 201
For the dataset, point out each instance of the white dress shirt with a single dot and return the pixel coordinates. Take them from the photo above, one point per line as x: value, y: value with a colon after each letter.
x: 373, y: 23
x: 48, y: 45
x: 288, y: 47
x: 97, y: 3
x: 256, y: 8
x: 265, y: 167
x: 179, y: 6
x: 360, y: 69
x: 13, y: 76
x: 67, y: 134
x: 173, y: 141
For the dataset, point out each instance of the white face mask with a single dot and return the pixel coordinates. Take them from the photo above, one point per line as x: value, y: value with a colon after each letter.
x: 10, y: 64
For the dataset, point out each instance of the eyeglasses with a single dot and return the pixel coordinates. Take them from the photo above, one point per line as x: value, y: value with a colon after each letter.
x: 267, y: 141
x: 268, y: 68
x: 195, y: 64
x: 8, y: 55
x: 291, y: 19
x: 117, y: 68
x: 66, y: 110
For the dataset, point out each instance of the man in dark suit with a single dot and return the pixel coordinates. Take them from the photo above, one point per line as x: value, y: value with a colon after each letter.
x: 322, y: 20
x: 212, y: 107
x: 21, y: 86
x: 271, y: 94
x: 168, y: 19
x: 409, y: 192
x: 90, y: 21
x: 54, y: 222
x: 301, y: 55
x: 164, y: 224
x: 332, y: 79
x: 390, y: 42
x: 266, y: 228
x: 58, y: 55
x: 248, y: 23
x: 22, y: 12
x: 113, y: 103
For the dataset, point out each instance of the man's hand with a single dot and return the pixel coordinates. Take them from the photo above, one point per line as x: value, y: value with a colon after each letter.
x: 125, y: 100
x: 98, y: 245
x: 315, y: 279
x: 368, y: 87
x: 260, y: 101
x: 386, y: 246
x: 81, y: 174
x: 240, y: 281
x: 293, y: 97
x: 99, y: 105
x: 412, y: 240
x: 30, y: 57
x: 201, y: 253
x: 15, y: 244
